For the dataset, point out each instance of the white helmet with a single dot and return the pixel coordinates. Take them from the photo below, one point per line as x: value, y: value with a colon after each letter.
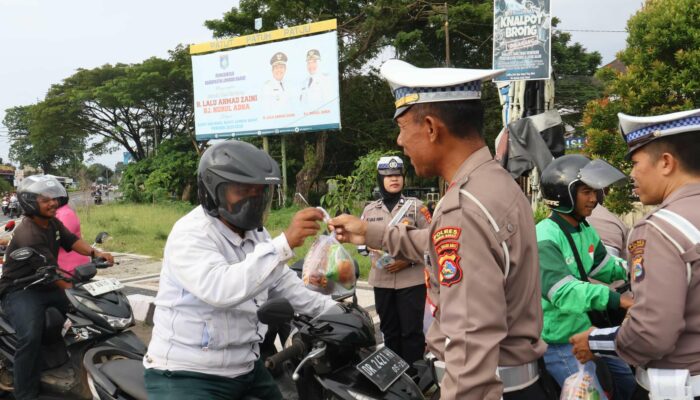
x: 392, y: 165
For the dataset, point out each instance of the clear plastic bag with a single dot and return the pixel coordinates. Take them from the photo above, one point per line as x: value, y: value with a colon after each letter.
x: 583, y: 385
x: 328, y: 268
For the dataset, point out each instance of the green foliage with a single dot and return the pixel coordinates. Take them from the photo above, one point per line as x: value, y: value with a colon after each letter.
x: 5, y: 186
x: 663, y: 62
x: 348, y: 193
x: 170, y: 173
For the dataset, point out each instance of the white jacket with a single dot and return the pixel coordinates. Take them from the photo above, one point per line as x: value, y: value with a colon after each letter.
x: 211, y: 285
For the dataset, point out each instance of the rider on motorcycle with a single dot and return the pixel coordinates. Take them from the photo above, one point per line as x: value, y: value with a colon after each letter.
x: 25, y: 307
x: 219, y: 266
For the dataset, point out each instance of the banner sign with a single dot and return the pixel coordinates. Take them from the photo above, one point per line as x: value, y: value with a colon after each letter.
x: 522, y: 39
x: 268, y: 89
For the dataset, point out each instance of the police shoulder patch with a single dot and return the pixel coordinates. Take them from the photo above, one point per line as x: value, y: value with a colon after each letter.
x: 426, y: 214
x: 636, y: 247
x: 450, y: 272
x: 448, y: 232
x: 638, y: 268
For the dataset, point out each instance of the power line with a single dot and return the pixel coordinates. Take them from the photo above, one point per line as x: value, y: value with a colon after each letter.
x: 591, y: 30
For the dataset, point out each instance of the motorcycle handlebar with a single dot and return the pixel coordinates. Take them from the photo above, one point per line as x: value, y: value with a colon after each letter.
x: 295, y: 350
x: 30, y: 278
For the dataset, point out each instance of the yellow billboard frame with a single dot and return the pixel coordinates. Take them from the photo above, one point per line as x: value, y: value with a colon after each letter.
x: 263, y: 37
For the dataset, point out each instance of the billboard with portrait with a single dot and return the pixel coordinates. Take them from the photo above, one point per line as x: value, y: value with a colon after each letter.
x: 267, y: 89
x: 522, y: 39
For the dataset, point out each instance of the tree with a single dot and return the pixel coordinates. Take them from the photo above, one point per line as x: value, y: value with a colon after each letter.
x: 663, y: 62
x: 44, y: 136
x: 574, y: 69
x: 136, y: 106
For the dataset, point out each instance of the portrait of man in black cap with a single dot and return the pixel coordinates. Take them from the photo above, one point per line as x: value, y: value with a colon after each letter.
x: 316, y: 89
x: 276, y: 92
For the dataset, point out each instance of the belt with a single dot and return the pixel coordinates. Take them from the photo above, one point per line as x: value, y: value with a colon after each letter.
x: 642, y: 377
x: 519, y: 376
x: 513, y: 378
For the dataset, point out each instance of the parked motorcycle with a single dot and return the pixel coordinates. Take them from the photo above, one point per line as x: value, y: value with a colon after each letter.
x: 335, y: 355
x: 97, y: 197
x: 99, y: 316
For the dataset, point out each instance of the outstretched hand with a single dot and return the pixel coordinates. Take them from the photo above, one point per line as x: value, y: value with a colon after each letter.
x: 304, y: 224
x: 349, y: 229
x: 582, y: 350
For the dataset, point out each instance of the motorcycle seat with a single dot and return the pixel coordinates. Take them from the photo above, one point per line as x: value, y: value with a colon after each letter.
x: 128, y: 376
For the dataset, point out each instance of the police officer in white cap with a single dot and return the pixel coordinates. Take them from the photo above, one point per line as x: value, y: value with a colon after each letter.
x: 661, y: 335
x: 276, y: 91
x: 481, y: 246
x: 399, y: 288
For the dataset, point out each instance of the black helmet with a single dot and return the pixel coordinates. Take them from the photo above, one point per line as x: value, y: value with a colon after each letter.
x: 236, y: 165
x: 559, y: 178
x: 38, y: 185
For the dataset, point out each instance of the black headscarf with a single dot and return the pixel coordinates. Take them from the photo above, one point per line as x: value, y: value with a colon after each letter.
x: 389, y: 199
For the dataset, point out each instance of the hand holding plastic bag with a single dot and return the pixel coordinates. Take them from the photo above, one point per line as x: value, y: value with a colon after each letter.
x: 583, y: 385
x: 328, y: 268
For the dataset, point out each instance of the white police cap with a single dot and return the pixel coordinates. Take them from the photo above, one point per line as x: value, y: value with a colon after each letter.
x: 413, y: 85
x: 638, y: 131
x: 390, y: 165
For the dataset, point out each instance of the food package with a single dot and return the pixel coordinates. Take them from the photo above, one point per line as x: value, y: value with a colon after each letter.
x: 583, y: 385
x: 328, y: 268
x: 380, y: 259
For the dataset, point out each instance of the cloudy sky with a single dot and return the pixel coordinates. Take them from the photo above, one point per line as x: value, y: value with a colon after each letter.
x: 45, y: 41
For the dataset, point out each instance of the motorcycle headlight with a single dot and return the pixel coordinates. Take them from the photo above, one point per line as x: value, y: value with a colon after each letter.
x: 116, y: 322
x: 88, y: 303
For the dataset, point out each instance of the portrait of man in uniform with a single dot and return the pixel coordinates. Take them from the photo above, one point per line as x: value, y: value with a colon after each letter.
x: 276, y: 93
x: 316, y: 89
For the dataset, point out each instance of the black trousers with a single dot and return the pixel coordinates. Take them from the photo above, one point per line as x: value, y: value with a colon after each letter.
x: 25, y: 310
x: 401, y: 320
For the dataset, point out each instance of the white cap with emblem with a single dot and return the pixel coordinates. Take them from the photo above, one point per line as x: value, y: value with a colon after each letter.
x: 638, y: 131
x: 392, y: 165
x: 413, y: 85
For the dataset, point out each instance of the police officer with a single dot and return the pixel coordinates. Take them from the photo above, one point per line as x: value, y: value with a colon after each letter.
x: 399, y: 289
x: 661, y: 334
x: 276, y: 92
x: 316, y: 89
x: 481, y: 243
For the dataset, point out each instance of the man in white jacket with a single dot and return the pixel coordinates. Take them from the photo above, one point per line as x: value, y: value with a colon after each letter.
x: 219, y: 266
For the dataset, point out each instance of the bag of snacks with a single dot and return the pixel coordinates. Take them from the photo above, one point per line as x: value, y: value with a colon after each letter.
x: 328, y: 268
x: 583, y: 385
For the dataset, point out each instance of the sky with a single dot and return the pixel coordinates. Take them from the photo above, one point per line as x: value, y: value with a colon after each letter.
x: 46, y: 41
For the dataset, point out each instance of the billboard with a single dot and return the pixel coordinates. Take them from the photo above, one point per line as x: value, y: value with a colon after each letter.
x: 268, y: 89
x: 522, y: 39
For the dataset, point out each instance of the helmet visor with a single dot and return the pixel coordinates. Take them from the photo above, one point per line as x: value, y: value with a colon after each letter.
x: 44, y: 186
x: 598, y: 174
x: 244, y: 205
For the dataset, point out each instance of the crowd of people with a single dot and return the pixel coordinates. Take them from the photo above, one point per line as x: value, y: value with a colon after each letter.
x: 515, y: 306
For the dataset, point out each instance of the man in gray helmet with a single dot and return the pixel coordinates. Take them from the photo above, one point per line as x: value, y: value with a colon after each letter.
x: 219, y: 266
x: 25, y: 306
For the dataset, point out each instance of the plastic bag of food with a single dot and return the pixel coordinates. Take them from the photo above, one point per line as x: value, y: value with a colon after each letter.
x: 583, y: 385
x: 328, y: 268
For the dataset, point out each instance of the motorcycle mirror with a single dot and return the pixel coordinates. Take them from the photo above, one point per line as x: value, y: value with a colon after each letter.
x: 85, y: 272
x: 22, y: 253
x: 275, y: 311
x: 101, y: 237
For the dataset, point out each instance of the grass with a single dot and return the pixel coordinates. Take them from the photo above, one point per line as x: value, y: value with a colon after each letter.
x: 144, y: 228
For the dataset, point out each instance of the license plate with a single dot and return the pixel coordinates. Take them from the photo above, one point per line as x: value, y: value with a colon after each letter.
x: 383, y: 367
x: 103, y: 286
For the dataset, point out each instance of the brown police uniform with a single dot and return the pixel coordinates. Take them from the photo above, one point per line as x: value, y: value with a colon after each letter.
x: 418, y: 216
x: 663, y: 327
x: 487, y: 297
x: 612, y: 232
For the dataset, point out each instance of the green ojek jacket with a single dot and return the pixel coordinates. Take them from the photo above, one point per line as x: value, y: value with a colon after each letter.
x: 565, y: 298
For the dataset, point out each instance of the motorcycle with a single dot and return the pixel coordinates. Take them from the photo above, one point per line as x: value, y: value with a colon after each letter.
x: 97, y: 197
x: 15, y: 210
x: 99, y: 316
x: 5, y: 207
x: 335, y: 356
